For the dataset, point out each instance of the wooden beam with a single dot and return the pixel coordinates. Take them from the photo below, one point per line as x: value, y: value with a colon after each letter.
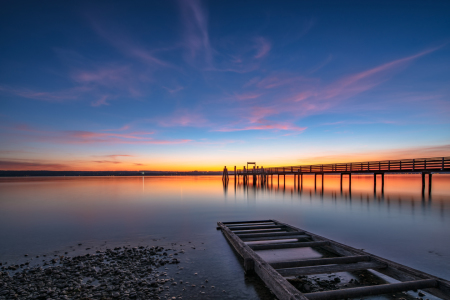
x: 247, y: 235
x: 279, y: 230
x: 252, y: 224
x: 247, y: 222
x: 330, y: 269
x: 273, y: 238
x: 373, y: 290
x: 320, y: 261
x: 287, y: 245
x: 255, y: 227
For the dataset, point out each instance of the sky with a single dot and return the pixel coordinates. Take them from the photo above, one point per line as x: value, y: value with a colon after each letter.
x: 197, y: 85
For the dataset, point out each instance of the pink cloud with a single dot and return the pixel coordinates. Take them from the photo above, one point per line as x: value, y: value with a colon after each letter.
x: 266, y: 125
x: 263, y: 47
x: 184, y: 118
x: 107, y: 161
x: 25, y: 165
x: 88, y: 137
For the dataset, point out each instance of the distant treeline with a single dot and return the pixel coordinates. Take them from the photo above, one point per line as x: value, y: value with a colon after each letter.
x: 103, y: 173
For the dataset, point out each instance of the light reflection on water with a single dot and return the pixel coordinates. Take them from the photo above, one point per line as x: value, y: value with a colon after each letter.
x: 42, y: 215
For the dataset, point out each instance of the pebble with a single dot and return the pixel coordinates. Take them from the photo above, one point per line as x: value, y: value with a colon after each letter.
x: 119, y: 273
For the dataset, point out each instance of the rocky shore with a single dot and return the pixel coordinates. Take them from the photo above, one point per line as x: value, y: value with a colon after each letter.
x: 119, y: 273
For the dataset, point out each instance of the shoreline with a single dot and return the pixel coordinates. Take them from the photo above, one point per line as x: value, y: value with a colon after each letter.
x: 119, y: 273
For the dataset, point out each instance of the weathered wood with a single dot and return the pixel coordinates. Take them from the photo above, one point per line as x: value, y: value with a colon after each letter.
x: 320, y: 261
x: 288, y: 245
x: 330, y: 269
x: 255, y: 227
x: 274, y: 281
x: 283, y: 290
x: 254, y: 235
x: 280, y: 230
x: 247, y: 222
x: 393, y: 269
x: 273, y: 238
x: 372, y: 290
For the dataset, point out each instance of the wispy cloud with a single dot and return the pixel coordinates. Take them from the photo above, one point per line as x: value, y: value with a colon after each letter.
x: 101, y: 101
x: 71, y: 94
x: 127, y: 46
x: 262, y: 47
x: 21, y: 164
x: 263, y: 124
x: 183, y: 118
x: 363, y: 81
x: 88, y: 137
x: 195, y: 27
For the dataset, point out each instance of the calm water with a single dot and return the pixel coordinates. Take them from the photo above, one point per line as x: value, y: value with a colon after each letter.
x: 52, y: 215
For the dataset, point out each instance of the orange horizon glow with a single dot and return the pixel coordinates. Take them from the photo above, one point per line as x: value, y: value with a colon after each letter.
x: 128, y: 162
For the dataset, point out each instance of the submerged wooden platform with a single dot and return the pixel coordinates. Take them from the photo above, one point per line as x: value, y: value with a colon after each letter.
x: 348, y: 259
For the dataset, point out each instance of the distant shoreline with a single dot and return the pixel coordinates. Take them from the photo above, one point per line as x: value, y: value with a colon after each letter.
x: 104, y: 173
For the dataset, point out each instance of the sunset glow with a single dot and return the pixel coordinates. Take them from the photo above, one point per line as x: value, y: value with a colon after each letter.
x: 197, y: 85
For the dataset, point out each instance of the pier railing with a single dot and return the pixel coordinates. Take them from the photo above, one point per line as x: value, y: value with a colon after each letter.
x: 405, y: 165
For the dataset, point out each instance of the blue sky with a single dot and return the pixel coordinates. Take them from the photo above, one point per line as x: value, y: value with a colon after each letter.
x: 184, y: 85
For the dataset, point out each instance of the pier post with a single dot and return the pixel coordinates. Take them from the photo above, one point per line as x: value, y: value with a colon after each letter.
x: 375, y: 183
x: 429, y: 184
x: 301, y: 181
x: 350, y: 183
x: 235, y: 176
x: 423, y: 184
x: 382, y: 184
x: 315, y: 179
x: 341, y: 182
x: 323, y: 181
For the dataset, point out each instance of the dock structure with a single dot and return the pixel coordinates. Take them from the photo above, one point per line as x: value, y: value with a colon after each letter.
x: 425, y: 166
x: 347, y: 259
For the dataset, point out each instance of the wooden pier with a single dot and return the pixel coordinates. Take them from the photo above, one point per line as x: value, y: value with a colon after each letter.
x: 347, y: 259
x: 425, y: 166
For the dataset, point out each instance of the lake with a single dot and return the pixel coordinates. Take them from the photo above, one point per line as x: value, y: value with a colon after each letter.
x: 52, y: 215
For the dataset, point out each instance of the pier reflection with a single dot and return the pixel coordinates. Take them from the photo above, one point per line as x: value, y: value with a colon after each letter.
x: 402, y: 191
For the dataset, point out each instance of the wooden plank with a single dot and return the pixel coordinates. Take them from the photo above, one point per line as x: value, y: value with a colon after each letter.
x: 255, y: 227
x: 373, y: 290
x: 246, y: 235
x: 247, y: 222
x: 288, y: 245
x: 253, y: 224
x: 273, y: 238
x: 282, y: 289
x: 330, y: 269
x: 260, y: 231
x: 320, y: 261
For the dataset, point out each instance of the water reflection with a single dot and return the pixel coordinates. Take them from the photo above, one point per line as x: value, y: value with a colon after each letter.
x: 52, y: 215
x: 401, y: 190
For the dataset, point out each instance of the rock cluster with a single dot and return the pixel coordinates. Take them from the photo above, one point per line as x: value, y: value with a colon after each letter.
x: 125, y: 273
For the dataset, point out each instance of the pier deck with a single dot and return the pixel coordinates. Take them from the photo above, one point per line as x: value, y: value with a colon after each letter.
x: 347, y: 259
x: 425, y: 166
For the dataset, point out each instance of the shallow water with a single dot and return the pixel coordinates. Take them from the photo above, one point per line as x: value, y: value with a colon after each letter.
x: 52, y: 215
